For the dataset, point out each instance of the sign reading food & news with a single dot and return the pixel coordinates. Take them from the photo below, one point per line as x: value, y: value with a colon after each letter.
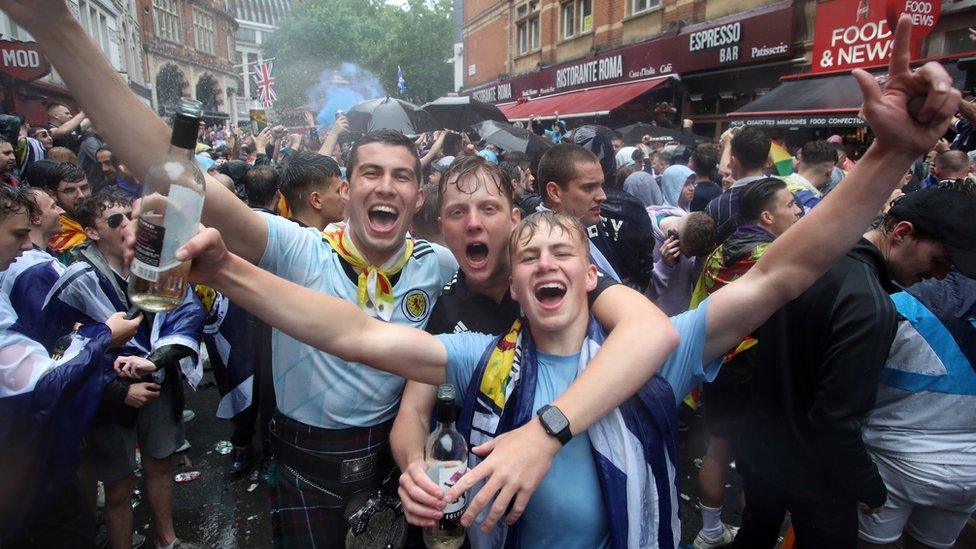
x: 924, y: 15
x: 765, y: 34
x: 22, y: 60
x: 851, y: 34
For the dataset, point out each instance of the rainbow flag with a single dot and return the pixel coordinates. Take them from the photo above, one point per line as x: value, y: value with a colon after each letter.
x: 781, y: 159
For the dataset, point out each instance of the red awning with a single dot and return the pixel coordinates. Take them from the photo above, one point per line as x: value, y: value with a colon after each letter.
x: 588, y: 102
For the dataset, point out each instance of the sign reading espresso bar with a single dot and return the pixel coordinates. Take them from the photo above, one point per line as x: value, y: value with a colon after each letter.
x: 764, y: 35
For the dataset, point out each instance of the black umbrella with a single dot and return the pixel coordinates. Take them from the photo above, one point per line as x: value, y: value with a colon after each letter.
x: 511, y: 138
x: 459, y: 112
x: 633, y: 134
x: 386, y: 113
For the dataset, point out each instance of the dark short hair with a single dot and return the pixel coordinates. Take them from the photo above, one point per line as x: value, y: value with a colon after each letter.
x: 705, y: 157
x: 15, y: 200
x: 559, y: 164
x: 698, y: 235
x: 664, y: 155
x: 815, y: 152
x: 425, y: 220
x: 386, y: 137
x: 952, y: 160
x: 69, y: 173
x: 465, y: 167
x: 551, y: 221
x: 94, y: 205
x: 758, y: 197
x: 36, y: 129
x: 751, y: 147
x: 260, y: 185
x: 303, y: 173
x: 516, y: 157
x: 511, y: 169
x: 51, y: 104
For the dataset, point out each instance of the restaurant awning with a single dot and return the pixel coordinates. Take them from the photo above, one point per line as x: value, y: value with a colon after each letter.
x: 588, y: 102
x: 800, y: 101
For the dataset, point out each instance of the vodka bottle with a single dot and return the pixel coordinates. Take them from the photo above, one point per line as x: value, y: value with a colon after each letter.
x: 172, y: 200
x: 446, y: 455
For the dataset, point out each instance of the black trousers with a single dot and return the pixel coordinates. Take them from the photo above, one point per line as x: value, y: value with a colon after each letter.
x: 262, y: 393
x: 822, y: 515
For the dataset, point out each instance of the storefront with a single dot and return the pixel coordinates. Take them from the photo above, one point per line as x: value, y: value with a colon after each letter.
x: 630, y: 84
x: 849, y: 34
x: 21, y: 66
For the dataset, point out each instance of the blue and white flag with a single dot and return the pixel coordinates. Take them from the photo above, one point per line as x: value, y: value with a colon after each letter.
x: 401, y: 83
x: 46, y: 406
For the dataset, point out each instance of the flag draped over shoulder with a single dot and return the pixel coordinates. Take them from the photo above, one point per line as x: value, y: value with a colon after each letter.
x: 634, y: 446
x: 46, y: 406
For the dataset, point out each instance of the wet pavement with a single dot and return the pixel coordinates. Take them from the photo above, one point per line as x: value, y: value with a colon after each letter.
x: 218, y: 511
x: 214, y: 510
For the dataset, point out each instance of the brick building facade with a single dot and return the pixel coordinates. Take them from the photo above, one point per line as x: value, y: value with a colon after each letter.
x: 189, y: 48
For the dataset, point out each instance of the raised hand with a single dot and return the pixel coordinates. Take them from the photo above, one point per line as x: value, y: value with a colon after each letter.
x: 122, y: 329
x: 887, y: 112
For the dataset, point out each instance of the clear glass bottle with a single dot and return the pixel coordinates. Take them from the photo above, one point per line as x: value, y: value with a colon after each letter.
x: 64, y: 342
x: 172, y: 201
x: 446, y: 456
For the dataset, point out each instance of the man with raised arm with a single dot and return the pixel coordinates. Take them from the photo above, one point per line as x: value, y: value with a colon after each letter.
x: 550, y: 276
x: 343, y: 408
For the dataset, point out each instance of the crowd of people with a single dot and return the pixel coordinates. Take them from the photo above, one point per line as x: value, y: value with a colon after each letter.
x: 575, y: 301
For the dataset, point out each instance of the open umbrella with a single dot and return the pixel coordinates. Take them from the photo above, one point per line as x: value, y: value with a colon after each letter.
x: 633, y: 134
x: 459, y: 112
x: 511, y: 138
x: 386, y: 113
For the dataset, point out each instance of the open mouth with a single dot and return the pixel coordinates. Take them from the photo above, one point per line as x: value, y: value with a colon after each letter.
x: 382, y: 219
x: 476, y: 253
x: 550, y: 294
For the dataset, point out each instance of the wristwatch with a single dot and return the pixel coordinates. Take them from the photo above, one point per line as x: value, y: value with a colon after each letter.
x: 555, y: 423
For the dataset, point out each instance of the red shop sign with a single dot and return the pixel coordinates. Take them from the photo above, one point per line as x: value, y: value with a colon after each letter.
x: 851, y: 34
x: 22, y: 60
x: 924, y: 14
x: 763, y: 35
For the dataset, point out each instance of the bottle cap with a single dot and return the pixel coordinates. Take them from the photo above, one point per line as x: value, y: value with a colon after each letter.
x: 446, y: 393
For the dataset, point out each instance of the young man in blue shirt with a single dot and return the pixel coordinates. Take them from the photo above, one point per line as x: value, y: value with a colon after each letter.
x: 550, y: 277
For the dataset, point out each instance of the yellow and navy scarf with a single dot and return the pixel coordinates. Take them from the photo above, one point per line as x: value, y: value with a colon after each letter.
x: 375, y: 289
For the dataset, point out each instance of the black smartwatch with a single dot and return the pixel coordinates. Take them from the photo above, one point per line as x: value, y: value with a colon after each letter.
x: 555, y: 423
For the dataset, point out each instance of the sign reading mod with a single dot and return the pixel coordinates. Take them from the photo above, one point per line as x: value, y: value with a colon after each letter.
x: 22, y: 60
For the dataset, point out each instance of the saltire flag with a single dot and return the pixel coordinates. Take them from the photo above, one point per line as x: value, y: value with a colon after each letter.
x: 229, y: 334
x: 265, y: 83
x: 401, y: 83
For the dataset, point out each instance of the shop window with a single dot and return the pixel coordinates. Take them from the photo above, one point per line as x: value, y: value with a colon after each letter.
x: 166, y: 19
x: 203, y: 32
x: 527, y: 27
x: 638, y: 6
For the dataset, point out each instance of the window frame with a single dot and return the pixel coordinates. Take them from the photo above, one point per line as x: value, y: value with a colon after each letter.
x: 202, y: 33
x: 581, y: 17
x: 166, y: 20
x: 567, y: 27
x: 528, y: 28
x: 650, y: 5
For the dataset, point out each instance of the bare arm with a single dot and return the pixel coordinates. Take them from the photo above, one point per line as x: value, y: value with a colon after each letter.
x: 967, y: 110
x: 345, y: 331
x: 138, y: 136
x: 69, y: 126
x: 803, y: 253
x: 434, y: 149
x: 340, y: 127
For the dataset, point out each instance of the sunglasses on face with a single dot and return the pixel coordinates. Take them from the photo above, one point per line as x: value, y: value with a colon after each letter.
x: 113, y: 221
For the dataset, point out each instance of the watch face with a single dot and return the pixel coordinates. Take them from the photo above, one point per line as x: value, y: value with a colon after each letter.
x: 555, y: 420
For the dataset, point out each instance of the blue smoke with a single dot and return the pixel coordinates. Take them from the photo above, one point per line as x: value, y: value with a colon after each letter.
x: 340, y: 89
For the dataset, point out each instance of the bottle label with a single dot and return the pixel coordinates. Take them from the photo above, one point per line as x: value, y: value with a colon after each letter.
x: 156, y: 245
x: 446, y: 476
x: 149, y: 244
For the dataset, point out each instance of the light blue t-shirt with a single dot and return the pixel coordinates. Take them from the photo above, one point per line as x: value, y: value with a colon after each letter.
x: 315, y: 387
x: 556, y: 516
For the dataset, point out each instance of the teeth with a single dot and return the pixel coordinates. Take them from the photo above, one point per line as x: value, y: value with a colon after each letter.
x: 386, y: 209
x: 553, y: 285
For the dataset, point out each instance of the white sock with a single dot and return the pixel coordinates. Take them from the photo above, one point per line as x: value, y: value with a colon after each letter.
x: 711, y: 521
